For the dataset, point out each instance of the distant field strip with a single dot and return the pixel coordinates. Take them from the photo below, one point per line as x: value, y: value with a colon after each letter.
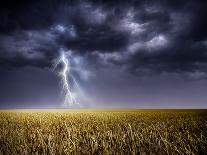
x: 92, y: 131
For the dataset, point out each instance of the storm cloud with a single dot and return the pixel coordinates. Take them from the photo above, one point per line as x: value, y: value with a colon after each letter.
x: 136, y: 38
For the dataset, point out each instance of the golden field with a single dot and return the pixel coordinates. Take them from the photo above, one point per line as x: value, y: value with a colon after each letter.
x: 103, y: 132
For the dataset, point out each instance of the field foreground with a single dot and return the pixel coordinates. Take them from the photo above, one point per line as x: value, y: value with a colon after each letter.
x: 103, y: 132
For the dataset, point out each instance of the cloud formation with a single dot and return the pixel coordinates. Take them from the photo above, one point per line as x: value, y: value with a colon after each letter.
x: 121, y: 41
x: 157, y: 36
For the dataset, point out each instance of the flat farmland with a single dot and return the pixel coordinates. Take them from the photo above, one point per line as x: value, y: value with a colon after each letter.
x: 102, y: 131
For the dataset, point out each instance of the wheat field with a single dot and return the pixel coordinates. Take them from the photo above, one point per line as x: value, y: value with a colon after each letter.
x: 103, y: 132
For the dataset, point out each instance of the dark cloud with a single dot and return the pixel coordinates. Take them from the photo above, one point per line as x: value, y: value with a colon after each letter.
x: 28, y: 48
x: 140, y: 37
x: 105, y: 26
x: 25, y: 15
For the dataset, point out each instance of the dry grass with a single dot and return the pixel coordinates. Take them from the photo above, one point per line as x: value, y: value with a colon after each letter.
x: 103, y: 132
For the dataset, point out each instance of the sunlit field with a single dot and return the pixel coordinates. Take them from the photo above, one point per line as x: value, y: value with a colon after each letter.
x: 103, y: 132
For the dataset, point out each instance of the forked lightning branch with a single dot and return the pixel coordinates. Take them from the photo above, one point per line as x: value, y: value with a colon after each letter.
x: 65, y: 73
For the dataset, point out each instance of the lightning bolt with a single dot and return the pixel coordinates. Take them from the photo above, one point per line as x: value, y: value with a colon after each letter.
x: 70, y: 98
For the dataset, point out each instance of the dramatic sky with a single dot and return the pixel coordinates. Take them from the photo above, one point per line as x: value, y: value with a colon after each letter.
x: 125, y: 54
